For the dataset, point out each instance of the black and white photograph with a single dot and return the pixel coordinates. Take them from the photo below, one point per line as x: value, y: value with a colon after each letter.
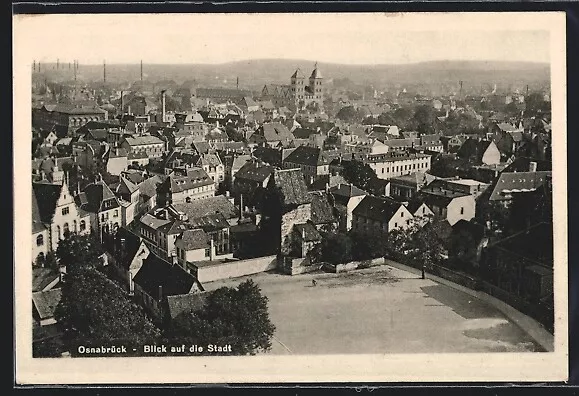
x: 290, y: 197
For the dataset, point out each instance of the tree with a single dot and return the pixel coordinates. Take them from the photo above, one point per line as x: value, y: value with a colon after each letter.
x: 350, y: 114
x: 336, y: 248
x: 359, y: 174
x: 425, y: 118
x: 238, y: 317
x: 46, y: 348
x: 420, y: 243
x: 367, y: 246
x: 76, y: 252
x: 95, y: 311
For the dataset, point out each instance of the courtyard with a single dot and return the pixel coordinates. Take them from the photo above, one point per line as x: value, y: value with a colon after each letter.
x: 380, y: 310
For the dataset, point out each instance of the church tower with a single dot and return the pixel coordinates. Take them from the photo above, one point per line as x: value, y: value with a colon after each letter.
x: 298, y: 85
x: 316, y: 85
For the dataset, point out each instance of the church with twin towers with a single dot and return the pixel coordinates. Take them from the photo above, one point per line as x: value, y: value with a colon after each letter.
x: 300, y: 93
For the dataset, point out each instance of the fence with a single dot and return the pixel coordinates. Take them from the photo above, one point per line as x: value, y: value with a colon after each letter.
x: 540, y: 312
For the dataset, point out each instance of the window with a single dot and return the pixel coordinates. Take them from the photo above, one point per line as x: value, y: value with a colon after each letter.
x: 116, y: 213
x: 74, y: 228
x: 58, y: 231
x: 40, y: 240
x: 423, y: 210
x: 82, y: 225
x: 65, y: 228
x: 395, y: 225
x: 401, y: 214
x: 65, y: 211
x: 462, y: 210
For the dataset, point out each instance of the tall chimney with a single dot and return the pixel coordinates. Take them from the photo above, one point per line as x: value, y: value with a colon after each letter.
x: 141, y: 70
x: 163, y: 98
x: 34, y: 65
x: 104, y: 71
x: 57, y: 63
x: 240, y: 207
x: 160, y: 292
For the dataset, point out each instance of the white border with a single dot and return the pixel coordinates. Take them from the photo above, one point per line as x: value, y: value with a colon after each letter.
x: 331, y: 368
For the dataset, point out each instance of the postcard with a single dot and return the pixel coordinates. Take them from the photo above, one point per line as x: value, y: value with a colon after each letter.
x: 234, y: 198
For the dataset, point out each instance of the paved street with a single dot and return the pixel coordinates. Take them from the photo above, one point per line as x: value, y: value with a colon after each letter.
x: 380, y: 310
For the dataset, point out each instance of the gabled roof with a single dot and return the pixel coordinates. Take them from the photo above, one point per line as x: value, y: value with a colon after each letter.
x: 306, y: 155
x: 477, y: 231
x: 132, y: 243
x: 201, y: 147
x: 42, y: 277
x: 194, y: 239
x: 46, y: 302
x: 178, y: 182
x: 207, y: 206
x: 272, y: 132
x: 254, y: 171
x: 343, y: 192
x: 126, y: 186
x: 414, y: 179
x: 99, y: 197
x: 268, y: 155
x: 37, y: 224
x: 303, y: 133
x: 510, y: 182
x: 322, y: 210
x: 46, y: 198
x: 292, y: 185
x: 143, y: 140
x: 377, y: 208
x: 185, y: 303
x: 157, y: 275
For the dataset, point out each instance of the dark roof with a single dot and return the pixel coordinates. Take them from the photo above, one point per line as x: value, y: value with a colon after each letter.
x: 522, y: 164
x: 534, y: 244
x: 303, y: 133
x: 439, y: 197
x: 194, y: 239
x: 306, y: 155
x: 292, y: 185
x: 377, y: 208
x: 158, y: 274
x: 254, y: 171
x: 271, y: 132
x: 132, y: 243
x: 46, y: 302
x: 148, y: 187
x: 42, y: 277
x: 46, y: 198
x: 97, y: 134
x: 473, y: 148
x: 210, y: 222
x: 268, y: 155
x: 476, y: 230
x: 201, y: 147
x: 414, y: 205
x: 207, y: 206
x: 510, y: 182
x: 37, y: 224
x: 307, y: 231
x: 322, y: 210
x: 185, y: 303
x: 177, y: 182
x: 99, y: 197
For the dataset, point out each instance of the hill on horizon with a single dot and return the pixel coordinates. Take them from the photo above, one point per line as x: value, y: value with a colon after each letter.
x: 254, y: 73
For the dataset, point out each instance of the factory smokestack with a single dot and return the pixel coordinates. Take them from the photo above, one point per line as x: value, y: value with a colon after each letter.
x: 163, y: 99
x: 141, y: 70
x: 104, y: 71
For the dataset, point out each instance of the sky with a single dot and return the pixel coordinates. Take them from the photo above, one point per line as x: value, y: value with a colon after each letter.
x: 376, y: 38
